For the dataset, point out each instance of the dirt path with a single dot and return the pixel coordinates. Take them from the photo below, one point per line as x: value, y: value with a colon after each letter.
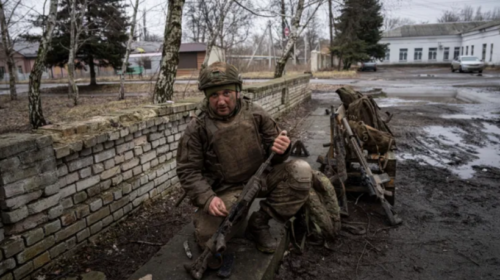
x: 447, y: 194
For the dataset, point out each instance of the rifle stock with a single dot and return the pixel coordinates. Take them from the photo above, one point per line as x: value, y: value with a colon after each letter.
x: 368, y: 178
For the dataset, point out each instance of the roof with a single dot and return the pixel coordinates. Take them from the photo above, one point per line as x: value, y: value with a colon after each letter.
x: 486, y: 25
x: 152, y: 47
x: 435, y: 29
x: 27, y: 49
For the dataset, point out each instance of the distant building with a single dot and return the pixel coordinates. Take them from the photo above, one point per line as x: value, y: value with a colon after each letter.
x: 439, y: 43
x: 191, y: 56
x: 145, y: 54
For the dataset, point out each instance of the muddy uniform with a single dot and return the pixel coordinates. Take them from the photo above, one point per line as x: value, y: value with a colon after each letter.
x: 218, y: 155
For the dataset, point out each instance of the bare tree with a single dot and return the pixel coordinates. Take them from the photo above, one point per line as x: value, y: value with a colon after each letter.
x: 467, y: 14
x: 9, y: 47
x: 121, y: 94
x: 164, y: 88
x: 395, y: 22
x: 77, y: 26
x: 295, y: 33
x: 214, y: 32
x: 330, y: 28
x: 35, y: 103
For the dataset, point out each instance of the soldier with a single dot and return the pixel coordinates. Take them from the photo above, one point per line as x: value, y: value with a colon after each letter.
x: 224, y: 146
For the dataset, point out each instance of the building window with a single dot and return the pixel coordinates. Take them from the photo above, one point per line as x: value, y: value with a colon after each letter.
x: 403, y: 54
x: 188, y: 60
x: 456, y: 52
x: 432, y: 53
x: 387, y: 54
x: 446, y: 55
x: 483, y: 54
x: 472, y: 50
x: 19, y: 69
x: 418, y: 54
x: 462, y: 50
x: 491, y: 52
x: 467, y: 50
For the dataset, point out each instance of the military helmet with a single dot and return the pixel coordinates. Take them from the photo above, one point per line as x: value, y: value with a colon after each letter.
x: 219, y: 74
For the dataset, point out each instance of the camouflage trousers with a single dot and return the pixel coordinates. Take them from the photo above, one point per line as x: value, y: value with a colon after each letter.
x: 285, y: 190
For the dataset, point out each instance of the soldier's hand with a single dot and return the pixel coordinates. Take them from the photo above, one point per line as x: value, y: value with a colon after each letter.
x: 281, y: 143
x: 217, y: 208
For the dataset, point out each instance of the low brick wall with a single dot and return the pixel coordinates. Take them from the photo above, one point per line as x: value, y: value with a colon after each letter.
x: 62, y: 186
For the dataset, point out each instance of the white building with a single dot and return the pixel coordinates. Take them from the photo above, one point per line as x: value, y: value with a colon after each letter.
x: 439, y: 43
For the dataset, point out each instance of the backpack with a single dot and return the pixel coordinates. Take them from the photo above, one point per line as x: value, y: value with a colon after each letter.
x: 375, y: 141
x: 348, y: 95
x: 365, y: 109
x: 319, y: 219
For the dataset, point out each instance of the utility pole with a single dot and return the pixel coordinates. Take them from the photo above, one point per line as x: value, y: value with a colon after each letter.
x: 330, y: 22
x: 270, y: 45
x: 145, y: 30
x: 305, y: 48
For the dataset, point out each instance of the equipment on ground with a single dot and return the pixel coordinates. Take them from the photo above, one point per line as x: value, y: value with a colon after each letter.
x: 361, y: 159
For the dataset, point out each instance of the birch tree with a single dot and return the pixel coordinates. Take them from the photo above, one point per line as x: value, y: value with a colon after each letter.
x: 76, y: 27
x: 121, y: 94
x: 9, y: 47
x: 35, y: 103
x: 297, y: 29
x: 164, y: 88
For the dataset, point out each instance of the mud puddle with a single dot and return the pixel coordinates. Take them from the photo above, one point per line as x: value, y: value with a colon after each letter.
x: 447, y: 148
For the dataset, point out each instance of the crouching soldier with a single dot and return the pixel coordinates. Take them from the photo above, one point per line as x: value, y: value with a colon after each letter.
x: 224, y: 146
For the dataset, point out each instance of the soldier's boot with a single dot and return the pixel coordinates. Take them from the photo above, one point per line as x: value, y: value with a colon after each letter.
x: 258, y: 230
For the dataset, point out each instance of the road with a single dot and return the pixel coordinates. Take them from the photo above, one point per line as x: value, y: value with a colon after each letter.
x: 391, y: 79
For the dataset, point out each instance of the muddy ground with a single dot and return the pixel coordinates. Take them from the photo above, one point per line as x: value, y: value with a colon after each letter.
x: 448, y: 185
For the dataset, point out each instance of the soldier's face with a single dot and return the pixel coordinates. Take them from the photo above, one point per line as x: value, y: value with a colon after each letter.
x: 223, y: 102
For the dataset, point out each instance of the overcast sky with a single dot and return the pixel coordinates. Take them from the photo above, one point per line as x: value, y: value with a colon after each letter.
x: 417, y: 10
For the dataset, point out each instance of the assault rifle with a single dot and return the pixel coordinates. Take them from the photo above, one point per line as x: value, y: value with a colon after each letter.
x: 217, y: 243
x: 371, y: 181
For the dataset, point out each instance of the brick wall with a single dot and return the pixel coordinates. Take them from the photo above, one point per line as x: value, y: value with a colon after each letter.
x: 60, y: 187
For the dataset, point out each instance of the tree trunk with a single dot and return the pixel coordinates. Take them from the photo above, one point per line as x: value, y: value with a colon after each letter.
x: 283, y: 25
x: 72, y: 88
x: 295, y: 33
x: 330, y: 21
x: 35, y: 103
x: 121, y: 94
x: 92, y: 71
x: 9, y: 54
x: 164, y: 88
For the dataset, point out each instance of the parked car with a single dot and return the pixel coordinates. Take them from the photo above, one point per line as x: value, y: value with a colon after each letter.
x: 466, y: 63
x: 368, y: 65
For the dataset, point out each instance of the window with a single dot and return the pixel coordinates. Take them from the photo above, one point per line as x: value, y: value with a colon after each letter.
x: 2, y: 72
x: 462, y: 50
x: 467, y: 50
x: 472, y: 50
x: 147, y: 63
x: 483, y: 54
x: 456, y: 52
x: 446, y: 55
x: 418, y: 54
x: 432, y: 53
x: 403, y: 54
x: 19, y: 69
x: 188, y: 60
x: 387, y: 54
x: 491, y: 52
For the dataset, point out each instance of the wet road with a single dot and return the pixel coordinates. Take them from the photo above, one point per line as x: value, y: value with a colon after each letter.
x: 425, y: 79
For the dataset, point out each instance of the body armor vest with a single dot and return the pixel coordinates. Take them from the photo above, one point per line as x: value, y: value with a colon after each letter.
x: 237, y: 145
